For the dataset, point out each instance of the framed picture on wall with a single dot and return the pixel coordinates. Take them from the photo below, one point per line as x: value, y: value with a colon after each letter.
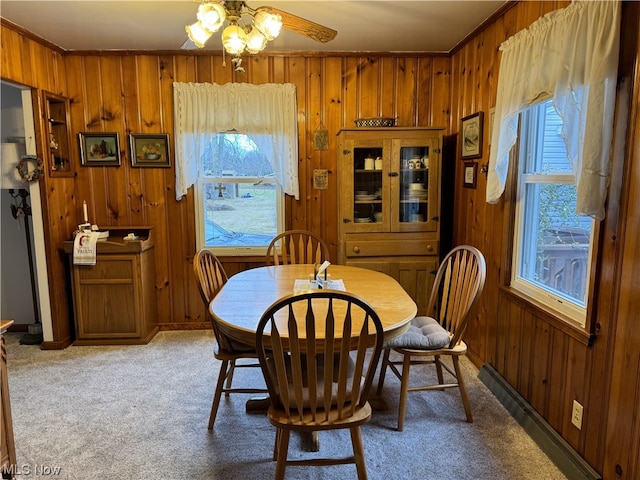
x: 471, y: 133
x: 149, y: 150
x: 99, y: 149
x: 470, y: 174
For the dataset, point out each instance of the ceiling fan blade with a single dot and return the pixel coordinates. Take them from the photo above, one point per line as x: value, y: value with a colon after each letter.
x: 305, y: 27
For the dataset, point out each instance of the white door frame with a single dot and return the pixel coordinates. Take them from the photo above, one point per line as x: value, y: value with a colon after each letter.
x: 40, y: 263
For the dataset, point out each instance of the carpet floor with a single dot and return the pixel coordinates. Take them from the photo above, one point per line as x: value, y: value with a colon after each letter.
x: 141, y: 412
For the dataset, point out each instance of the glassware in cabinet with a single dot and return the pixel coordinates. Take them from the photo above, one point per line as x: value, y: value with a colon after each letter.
x: 368, y: 194
x: 414, y: 184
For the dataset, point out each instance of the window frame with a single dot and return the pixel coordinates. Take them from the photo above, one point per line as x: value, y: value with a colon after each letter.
x: 568, y: 312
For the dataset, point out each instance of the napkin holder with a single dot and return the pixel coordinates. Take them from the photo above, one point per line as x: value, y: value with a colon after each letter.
x: 323, y: 280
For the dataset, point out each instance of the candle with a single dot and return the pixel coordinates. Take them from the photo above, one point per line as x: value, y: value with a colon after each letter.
x: 84, y: 212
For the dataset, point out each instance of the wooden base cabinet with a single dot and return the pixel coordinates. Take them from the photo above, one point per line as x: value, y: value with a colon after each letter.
x: 389, y: 204
x: 114, y: 300
x: 8, y: 449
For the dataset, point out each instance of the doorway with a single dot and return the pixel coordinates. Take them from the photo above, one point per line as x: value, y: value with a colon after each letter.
x: 17, y: 133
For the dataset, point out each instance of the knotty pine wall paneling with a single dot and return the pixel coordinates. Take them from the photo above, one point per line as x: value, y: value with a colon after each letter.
x: 549, y: 364
x: 622, y: 443
x: 132, y: 93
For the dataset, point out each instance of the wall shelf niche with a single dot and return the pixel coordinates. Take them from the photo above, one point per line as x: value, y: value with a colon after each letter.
x: 58, y: 151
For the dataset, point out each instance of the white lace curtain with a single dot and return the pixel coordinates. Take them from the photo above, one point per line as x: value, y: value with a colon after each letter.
x: 570, y: 55
x: 267, y: 113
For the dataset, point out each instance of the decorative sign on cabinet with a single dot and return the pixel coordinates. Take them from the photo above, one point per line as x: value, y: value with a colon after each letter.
x: 389, y: 203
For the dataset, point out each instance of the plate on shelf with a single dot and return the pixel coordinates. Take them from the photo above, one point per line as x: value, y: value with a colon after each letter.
x: 365, y: 198
x: 416, y: 194
x: 362, y: 220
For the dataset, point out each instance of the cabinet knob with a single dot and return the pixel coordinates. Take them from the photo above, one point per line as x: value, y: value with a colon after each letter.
x: 356, y: 249
x: 430, y: 248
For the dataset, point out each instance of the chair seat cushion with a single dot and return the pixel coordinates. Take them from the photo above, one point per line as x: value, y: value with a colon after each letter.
x: 424, y: 333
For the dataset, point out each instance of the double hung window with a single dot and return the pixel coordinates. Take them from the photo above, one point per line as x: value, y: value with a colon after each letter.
x: 552, y: 244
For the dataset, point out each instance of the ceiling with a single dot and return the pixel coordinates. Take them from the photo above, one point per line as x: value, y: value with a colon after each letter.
x: 363, y: 26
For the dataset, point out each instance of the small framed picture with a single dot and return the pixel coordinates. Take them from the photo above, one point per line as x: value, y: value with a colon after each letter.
x: 99, y: 149
x: 471, y: 133
x: 149, y: 150
x: 470, y: 174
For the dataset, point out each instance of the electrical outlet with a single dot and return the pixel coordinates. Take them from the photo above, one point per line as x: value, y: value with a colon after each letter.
x: 576, y: 415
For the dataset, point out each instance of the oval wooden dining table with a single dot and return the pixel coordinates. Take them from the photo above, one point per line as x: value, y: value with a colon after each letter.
x: 241, y: 302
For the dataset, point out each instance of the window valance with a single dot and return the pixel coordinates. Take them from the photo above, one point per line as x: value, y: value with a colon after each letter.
x: 570, y: 55
x: 268, y: 113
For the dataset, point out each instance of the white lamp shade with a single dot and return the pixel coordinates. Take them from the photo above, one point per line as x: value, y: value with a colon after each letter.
x: 255, y: 41
x: 10, y: 156
x: 211, y: 16
x: 269, y: 24
x: 234, y: 40
x: 198, y: 34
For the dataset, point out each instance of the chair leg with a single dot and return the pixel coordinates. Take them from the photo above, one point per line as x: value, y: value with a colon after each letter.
x: 232, y: 368
x: 404, y: 391
x: 436, y: 360
x: 315, y: 441
x: 276, y: 443
x: 358, y: 452
x: 383, y: 369
x: 283, y: 448
x: 463, y: 389
x: 218, y: 393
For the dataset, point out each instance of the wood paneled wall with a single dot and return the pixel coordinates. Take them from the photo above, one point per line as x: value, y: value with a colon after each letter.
x: 548, y: 364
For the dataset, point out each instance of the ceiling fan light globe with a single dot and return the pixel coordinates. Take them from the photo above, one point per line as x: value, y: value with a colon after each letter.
x: 268, y: 24
x: 198, y: 34
x: 211, y: 16
x: 234, y: 40
x: 256, y: 42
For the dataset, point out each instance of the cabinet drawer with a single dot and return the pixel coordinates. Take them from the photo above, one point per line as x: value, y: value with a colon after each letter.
x: 108, y: 267
x: 387, y: 248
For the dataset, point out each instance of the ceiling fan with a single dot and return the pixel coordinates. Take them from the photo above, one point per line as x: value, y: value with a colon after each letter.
x: 248, y: 29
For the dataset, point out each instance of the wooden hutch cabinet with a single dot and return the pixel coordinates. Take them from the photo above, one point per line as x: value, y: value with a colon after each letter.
x: 114, y: 301
x: 389, y: 204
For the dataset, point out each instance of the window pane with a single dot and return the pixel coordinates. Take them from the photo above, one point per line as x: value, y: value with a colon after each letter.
x: 234, y: 154
x: 546, y: 150
x: 238, y: 196
x: 239, y: 214
x: 555, y: 241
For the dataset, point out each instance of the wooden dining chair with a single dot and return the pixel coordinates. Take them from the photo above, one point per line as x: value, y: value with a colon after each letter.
x: 211, y: 277
x: 294, y: 337
x: 296, y: 247
x: 456, y: 289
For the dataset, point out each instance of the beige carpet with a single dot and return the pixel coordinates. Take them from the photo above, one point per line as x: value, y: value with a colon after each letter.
x: 140, y: 412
